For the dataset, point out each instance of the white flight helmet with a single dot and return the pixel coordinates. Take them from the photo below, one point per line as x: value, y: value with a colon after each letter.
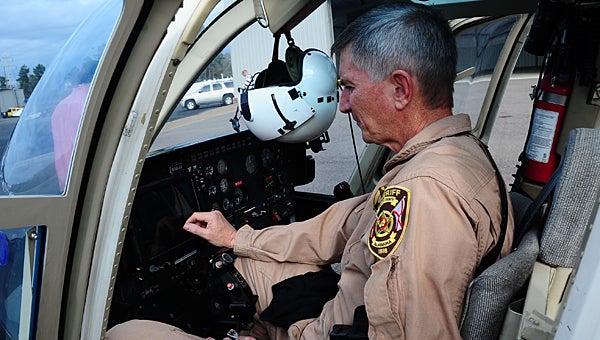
x: 297, y: 110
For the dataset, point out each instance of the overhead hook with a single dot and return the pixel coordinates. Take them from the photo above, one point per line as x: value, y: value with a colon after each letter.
x: 261, y: 13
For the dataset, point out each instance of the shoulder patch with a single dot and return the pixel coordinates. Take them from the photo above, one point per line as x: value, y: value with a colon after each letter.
x: 391, y: 205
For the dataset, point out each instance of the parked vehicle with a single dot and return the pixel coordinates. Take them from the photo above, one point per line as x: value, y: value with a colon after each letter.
x: 12, y: 112
x: 209, y: 92
x: 108, y: 246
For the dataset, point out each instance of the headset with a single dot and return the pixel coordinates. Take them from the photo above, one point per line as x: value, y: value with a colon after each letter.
x: 293, y: 101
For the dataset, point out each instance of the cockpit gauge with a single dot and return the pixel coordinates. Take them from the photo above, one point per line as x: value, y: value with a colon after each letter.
x: 224, y: 185
x: 226, y: 204
x: 251, y: 164
x: 212, y: 191
x: 268, y: 158
x: 238, y: 196
x: 222, y: 166
x: 209, y: 171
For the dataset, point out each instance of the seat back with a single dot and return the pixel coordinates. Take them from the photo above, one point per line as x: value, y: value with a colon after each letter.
x: 564, y: 232
x: 490, y: 294
x: 574, y: 199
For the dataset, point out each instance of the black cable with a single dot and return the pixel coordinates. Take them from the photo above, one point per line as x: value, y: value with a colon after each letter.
x: 362, y: 184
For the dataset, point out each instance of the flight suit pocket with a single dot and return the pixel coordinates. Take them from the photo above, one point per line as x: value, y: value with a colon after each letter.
x: 384, y: 299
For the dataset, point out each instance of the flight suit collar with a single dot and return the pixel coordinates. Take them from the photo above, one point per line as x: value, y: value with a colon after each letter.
x: 445, y: 127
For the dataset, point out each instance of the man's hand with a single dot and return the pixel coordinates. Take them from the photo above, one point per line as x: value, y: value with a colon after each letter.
x: 213, y: 227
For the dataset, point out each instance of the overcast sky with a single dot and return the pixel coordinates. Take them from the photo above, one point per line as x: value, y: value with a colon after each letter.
x: 34, y: 31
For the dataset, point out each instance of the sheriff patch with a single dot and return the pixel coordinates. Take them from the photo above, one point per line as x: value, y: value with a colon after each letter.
x: 391, y: 208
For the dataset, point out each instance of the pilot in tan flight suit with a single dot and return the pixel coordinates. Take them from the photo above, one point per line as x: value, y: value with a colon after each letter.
x: 409, y: 249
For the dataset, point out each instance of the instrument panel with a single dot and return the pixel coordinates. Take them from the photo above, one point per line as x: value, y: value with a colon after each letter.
x: 248, y: 180
x: 163, y: 269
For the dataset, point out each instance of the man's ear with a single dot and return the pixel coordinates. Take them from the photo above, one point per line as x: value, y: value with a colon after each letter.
x: 403, y: 88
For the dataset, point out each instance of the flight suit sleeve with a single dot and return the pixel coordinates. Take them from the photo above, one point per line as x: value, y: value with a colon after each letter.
x: 416, y: 290
x: 319, y: 240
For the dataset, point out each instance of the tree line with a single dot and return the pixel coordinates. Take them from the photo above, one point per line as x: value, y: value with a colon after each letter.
x: 27, y: 80
x: 220, y: 67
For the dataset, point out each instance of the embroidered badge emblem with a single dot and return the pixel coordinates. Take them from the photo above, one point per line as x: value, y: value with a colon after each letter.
x: 391, y: 208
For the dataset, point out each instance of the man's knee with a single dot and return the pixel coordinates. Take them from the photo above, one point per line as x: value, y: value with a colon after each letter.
x: 147, y: 330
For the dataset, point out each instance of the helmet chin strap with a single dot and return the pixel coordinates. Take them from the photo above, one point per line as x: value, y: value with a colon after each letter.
x: 289, y: 125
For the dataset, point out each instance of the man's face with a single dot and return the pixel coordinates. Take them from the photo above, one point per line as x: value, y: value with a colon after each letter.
x: 368, y: 102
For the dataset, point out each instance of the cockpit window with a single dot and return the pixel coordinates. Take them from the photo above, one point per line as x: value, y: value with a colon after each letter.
x: 38, y: 158
x: 241, y: 61
x: 479, y: 48
x: 21, y: 263
x: 217, y: 10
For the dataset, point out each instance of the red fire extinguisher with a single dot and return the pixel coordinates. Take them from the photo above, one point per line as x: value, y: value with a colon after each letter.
x: 548, y: 115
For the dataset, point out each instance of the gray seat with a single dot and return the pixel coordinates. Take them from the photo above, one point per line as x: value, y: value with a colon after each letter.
x: 574, y: 199
x: 490, y: 294
x: 563, y: 237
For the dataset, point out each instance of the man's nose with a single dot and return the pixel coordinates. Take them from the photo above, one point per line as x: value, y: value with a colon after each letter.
x: 345, y: 102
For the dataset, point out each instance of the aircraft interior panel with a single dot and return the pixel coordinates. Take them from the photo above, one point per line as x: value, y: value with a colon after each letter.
x: 164, y: 272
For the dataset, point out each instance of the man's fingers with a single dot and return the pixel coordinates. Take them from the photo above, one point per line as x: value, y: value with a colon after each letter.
x: 197, y: 217
x: 211, y: 226
x: 204, y: 217
x: 195, y: 229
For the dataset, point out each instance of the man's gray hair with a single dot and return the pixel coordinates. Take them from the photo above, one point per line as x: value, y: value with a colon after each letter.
x: 407, y: 36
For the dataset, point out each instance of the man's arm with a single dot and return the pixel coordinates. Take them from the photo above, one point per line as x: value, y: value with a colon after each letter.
x: 417, y: 290
x: 319, y: 240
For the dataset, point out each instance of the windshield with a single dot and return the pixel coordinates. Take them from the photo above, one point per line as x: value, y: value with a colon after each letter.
x: 38, y: 157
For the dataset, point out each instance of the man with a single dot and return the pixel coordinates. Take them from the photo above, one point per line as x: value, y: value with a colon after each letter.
x: 248, y: 80
x: 410, y: 248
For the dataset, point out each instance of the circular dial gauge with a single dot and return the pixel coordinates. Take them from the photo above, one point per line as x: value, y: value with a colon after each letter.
x: 222, y: 166
x: 209, y: 171
x: 238, y: 196
x: 212, y: 191
x: 251, y: 164
x: 268, y: 158
x: 224, y: 185
x: 226, y: 204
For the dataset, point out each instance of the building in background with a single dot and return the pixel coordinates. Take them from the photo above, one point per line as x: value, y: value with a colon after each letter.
x: 314, y: 32
x: 11, y: 98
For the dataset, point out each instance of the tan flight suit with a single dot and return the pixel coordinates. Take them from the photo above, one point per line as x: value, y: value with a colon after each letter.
x: 444, y: 195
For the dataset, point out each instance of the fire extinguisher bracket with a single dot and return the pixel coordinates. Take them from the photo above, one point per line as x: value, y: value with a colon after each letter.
x: 594, y: 96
